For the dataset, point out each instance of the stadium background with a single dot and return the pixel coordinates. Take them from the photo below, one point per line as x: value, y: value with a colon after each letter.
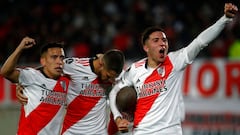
x: 211, y: 89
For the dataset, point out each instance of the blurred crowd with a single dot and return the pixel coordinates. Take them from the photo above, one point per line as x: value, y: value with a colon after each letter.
x: 88, y: 27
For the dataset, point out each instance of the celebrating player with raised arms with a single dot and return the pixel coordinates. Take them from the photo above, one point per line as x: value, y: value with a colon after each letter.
x: 45, y: 87
x: 157, y: 79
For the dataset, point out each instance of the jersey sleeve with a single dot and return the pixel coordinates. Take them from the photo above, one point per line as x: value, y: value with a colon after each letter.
x: 205, y: 37
x: 186, y: 55
x: 70, y: 65
x: 26, y: 76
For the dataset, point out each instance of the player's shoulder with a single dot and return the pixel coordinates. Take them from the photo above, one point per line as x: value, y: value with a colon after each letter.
x: 136, y: 67
x: 77, y: 66
x: 77, y: 61
x: 179, y: 59
x: 28, y: 69
x: 177, y: 54
x: 31, y: 74
x: 139, y: 64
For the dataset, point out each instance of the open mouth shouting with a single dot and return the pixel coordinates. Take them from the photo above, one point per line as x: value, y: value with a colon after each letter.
x: 162, y: 52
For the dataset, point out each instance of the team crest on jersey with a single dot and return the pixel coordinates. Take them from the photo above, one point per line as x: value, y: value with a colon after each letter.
x: 64, y: 85
x: 161, y: 71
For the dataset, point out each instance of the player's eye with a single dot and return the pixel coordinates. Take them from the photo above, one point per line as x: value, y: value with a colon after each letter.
x: 54, y: 56
x: 62, y: 57
x: 155, y: 40
x: 164, y: 40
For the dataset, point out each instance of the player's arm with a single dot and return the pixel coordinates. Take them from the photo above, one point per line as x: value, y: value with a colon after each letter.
x: 208, y: 35
x: 123, y: 81
x: 112, y: 101
x: 122, y: 124
x: 8, y: 69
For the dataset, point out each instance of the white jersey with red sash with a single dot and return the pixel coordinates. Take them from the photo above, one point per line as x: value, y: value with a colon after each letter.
x: 158, y: 93
x: 86, y: 112
x: 159, y: 103
x: 44, y: 112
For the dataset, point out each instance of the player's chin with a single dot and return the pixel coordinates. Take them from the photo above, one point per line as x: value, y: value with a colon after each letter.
x: 161, y: 59
x: 58, y: 72
x: 104, y: 80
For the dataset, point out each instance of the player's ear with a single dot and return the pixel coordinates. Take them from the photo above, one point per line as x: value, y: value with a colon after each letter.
x: 101, y: 62
x: 145, y: 48
x: 42, y: 61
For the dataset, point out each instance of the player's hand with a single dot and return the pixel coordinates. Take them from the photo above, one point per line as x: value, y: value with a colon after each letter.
x: 122, y: 124
x: 230, y: 10
x: 20, y: 96
x: 26, y: 43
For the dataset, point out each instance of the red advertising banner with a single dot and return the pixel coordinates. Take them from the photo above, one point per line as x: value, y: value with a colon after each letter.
x: 216, y: 78
x: 211, y: 92
x: 7, y: 93
x: 2, y: 91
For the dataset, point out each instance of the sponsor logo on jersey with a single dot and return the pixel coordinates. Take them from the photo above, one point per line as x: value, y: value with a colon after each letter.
x: 94, y: 90
x: 55, y: 98
x: 152, y: 88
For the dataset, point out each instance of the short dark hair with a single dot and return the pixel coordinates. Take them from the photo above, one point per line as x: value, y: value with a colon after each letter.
x: 148, y: 31
x: 51, y: 45
x: 114, y: 60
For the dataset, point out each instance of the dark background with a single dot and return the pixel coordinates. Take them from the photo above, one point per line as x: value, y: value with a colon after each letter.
x: 88, y: 27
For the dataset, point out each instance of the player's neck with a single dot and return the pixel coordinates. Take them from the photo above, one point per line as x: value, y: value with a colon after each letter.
x: 44, y: 72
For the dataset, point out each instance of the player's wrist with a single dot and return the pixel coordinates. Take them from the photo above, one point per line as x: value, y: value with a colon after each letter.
x: 118, y: 118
